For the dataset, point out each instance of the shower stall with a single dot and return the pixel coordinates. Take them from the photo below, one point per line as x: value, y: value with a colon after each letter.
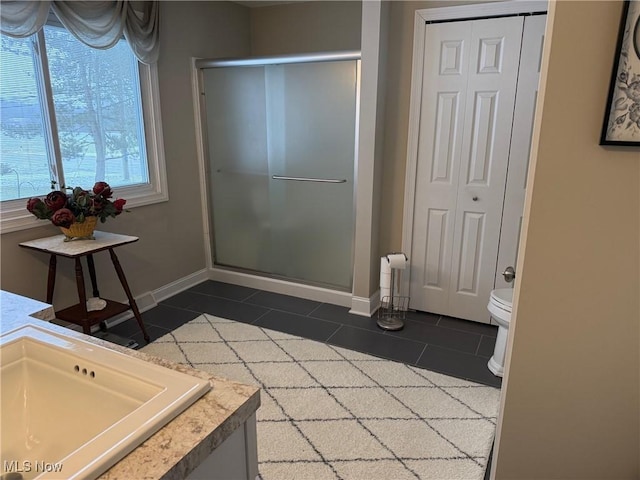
x: 280, y: 146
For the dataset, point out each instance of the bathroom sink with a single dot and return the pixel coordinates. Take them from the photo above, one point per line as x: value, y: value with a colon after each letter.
x: 72, y: 409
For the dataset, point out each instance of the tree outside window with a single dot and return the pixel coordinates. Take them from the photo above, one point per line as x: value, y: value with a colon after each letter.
x: 70, y: 114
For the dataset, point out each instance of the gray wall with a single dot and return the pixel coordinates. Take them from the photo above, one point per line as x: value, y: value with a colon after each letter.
x: 305, y: 27
x: 171, y: 242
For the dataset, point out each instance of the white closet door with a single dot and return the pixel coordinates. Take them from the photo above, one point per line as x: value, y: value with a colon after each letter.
x: 446, y: 65
x: 526, y: 98
x: 468, y: 95
x: 491, y: 92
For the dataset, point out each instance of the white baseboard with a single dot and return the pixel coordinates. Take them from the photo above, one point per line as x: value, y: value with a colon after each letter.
x: 283, y: 287
x: 149, y: 300
x: 146, y: 301
x: 365, y: 306
x: 180, y: 285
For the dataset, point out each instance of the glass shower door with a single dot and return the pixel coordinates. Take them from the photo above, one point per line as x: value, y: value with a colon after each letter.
x: 238, y: 168
x: 287, y: 132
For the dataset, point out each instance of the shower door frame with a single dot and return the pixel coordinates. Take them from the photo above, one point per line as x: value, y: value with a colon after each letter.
x: 238, y: 275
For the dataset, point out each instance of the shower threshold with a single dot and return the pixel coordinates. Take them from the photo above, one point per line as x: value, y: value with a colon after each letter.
x: 286, y: 286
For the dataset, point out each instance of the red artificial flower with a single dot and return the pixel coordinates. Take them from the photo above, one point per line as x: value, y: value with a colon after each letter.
x: 33, y: 204
x: 103, y: 189
x: 77, y: 204
x: 55, y: 200
x: 119, y: 204
x: 63, y: 218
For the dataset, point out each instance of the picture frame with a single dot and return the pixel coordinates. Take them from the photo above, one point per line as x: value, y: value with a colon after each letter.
x: 622, y: 115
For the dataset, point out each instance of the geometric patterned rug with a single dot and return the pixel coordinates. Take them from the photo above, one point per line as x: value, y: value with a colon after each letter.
x: 332, y: 413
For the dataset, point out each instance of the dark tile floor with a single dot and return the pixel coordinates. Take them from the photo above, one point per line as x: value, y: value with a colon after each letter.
x: 447, y: 345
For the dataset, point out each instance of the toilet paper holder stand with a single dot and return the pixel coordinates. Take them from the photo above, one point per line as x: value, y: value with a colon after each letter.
x: 393, y: 308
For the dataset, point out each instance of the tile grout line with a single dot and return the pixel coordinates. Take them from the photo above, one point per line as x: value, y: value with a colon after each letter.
x: 332, y: 335
x: 312, y: 311
x: 421, y: 353
x: 478, y: 347
x: 251, y: 295
x: 289, y: 312
x: 269, y: 310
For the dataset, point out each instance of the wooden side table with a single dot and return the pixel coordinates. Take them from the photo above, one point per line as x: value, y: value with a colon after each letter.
x: 78, y: 314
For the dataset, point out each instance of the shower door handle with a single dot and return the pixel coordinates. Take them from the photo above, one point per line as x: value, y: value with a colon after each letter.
x: 309, y: 179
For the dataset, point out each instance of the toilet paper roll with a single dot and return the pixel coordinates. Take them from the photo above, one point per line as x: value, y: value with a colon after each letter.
x: 385, y: 278
x: 397, y: 260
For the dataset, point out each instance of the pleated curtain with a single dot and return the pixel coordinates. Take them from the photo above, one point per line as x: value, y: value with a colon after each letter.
x: 98, y: 24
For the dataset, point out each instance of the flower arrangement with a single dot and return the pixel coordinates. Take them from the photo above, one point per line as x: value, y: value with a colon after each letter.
x: 75, y: 205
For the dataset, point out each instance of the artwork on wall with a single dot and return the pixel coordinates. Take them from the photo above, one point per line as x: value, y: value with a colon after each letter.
x: 622, y: 117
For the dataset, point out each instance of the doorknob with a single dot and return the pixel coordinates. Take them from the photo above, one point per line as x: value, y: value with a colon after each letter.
x: 509, y: 274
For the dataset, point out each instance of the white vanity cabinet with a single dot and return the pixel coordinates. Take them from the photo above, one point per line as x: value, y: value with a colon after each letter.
x: 236, y: 458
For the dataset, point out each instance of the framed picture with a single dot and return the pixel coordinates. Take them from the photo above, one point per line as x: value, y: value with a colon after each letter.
x: 622, y: 117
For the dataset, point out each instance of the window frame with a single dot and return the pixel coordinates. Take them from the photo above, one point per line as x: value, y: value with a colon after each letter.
x: 13, y: 213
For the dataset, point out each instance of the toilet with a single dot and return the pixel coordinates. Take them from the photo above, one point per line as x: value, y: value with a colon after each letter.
x: 500, y: 303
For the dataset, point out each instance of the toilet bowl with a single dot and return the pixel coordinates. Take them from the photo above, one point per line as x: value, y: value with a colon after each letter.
x: 500, y: 304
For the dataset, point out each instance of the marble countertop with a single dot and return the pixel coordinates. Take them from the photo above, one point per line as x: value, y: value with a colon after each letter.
x: 57, y: 244
x: 181, y: 445
x: 12, y: 305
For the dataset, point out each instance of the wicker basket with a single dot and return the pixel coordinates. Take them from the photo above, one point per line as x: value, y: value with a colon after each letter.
x: 81, y: 231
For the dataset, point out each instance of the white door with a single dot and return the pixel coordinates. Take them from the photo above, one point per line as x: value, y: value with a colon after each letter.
x: 528, y: 76
x: 468, y: 95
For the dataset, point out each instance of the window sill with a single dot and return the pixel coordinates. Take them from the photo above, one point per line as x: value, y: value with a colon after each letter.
x: 16, y: 217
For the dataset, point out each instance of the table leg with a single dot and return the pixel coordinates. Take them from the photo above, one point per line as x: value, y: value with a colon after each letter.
x: 92, y: 275
x: 94, y: 286
x: 82, y: 296
x: 125, y: 286
x: 51, y: 281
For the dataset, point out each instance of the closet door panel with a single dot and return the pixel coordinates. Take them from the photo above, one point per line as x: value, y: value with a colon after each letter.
x: 525, y: 107
x: 491, y: 90
x: 442, y: 109
x: 469, y: 84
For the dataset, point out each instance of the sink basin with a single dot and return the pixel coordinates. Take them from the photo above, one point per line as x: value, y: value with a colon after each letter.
x: 72, y: 409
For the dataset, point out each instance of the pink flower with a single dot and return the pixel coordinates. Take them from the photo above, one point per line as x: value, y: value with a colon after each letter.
x: 102, y: 188
x: 63, y: 218
x: 55, y: 200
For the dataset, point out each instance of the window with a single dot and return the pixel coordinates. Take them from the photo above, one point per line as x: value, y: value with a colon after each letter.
x: 75, y: 115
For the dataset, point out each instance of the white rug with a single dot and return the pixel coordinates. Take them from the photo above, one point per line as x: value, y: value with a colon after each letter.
x: 331, y: 413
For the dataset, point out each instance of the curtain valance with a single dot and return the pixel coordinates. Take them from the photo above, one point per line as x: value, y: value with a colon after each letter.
x: 99, y: 24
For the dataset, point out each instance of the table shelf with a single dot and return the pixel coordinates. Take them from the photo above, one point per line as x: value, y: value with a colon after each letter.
x: 74, y: 314
x: 78, y: 314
